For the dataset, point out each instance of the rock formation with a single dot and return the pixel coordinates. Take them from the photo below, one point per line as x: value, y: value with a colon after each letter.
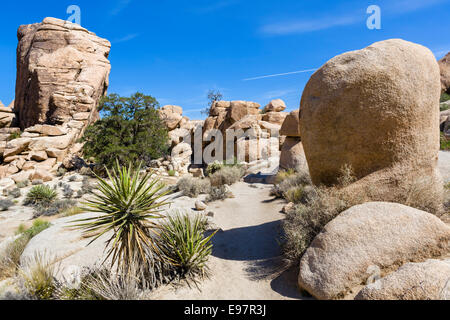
x: 429, y: 280
x: 380, y: 234
x: 376, y: 110
x: 292, y: 153
x: 62, y: 72
x: 444, y: 65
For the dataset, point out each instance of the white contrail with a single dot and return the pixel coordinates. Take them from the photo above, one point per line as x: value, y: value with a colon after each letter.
x: 279, y: 74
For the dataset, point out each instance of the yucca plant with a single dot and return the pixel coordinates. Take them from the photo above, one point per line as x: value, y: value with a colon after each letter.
x: 127, y: 205
x: 184, y: 242
x: 41, y: 195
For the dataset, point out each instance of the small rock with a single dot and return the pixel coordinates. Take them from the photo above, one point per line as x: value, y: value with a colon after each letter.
x: 200, y: 205
x: 210, y: 214
x: 288, y: 207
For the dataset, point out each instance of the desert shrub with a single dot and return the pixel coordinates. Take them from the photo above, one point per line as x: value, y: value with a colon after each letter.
x: 316, y: 206
x: 419, y: 197
x: 184, y: 243
x: 217, y: 193
x: 53, y: 208
x: 347, y: 176
x: 73, y: 178
x: 172, y: 173
x: 23, y: 184
x: 218, y: 165
x: 14, y: 135
x: 67, y: 191
x: 10, y: 258
x: 288, y: 180
x: 445, y: 143
x: 283, y: 175
x: 41, y: 195
x: 5, y: 204
x: 38, y: 277
x: 227, y: 175
x: 294, y: 194
x: 102, y: 284
x: 445, y: 97
x: 14, y: 193
x: 213, y: 167
x: 72, y: 211
x: 301, y: 225
x: 193, y: 187
x: 128, y: 205
x: 130, y: 131
x: 61, y: 172
x: 37, y: 182
x: 86, y: 171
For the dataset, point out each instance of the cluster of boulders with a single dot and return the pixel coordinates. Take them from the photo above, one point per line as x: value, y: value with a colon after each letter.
x: 7, y: 117
x: 444, y: 65
x: 260, y: 127
x: 376, y: 110
x: 260, y: 140
x: 62, y: 72
x: 182, y: 132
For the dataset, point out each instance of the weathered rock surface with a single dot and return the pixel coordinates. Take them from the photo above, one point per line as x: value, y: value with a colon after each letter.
x: 291, y: 126
x: 171, y: 116
x: 275, y: 117
x: 429, y: 280
x: 276, y: 105
x: 444, y: 65
x: 62, y: 70
x: 375, y: 109
x: 67, y: 246
x: 380, y: 234
x: 292, y: 155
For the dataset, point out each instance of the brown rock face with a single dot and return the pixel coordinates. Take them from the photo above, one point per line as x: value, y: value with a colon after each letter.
x: 292, y: 154
x: 375, y: 109
x: 62, y: 70
x: 444, y: 65
x: 291, y: 126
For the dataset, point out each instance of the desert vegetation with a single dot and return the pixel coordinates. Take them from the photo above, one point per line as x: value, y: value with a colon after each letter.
x: 130, y: 131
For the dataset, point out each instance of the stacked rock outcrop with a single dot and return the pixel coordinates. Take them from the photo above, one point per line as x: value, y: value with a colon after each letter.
x: 62, y: 72
x: 292, y: 153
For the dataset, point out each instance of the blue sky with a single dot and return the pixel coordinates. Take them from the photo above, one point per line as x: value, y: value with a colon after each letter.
x: 178, y: 50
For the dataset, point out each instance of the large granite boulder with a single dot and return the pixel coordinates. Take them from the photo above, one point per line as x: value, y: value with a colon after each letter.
x: 377, y: 110
x: 381, y: 234
x: 62, y: 71
x: 429, y: 280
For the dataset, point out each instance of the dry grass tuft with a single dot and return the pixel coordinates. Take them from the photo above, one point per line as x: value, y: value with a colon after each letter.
x: 193, y: 187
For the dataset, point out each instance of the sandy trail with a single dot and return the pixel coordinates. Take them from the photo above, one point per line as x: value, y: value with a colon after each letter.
x: 245, y: 263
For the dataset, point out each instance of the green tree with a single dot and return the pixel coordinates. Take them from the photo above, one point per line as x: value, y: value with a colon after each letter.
x: 130, y: 131
x: 213, y: 96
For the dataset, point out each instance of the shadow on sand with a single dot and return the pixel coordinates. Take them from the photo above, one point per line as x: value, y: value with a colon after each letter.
x: 258, y: 247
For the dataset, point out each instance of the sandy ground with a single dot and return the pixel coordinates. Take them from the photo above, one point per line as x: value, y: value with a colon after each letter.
x: 245, y: 262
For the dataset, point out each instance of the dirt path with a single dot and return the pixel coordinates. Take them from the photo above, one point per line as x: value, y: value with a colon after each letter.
x: 245, y: 263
